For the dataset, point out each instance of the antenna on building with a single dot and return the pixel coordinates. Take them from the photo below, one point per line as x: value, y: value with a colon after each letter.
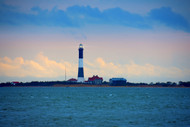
x: 65, y: 74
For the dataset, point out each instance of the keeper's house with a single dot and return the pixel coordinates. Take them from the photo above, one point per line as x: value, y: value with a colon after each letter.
x: 95, y: 80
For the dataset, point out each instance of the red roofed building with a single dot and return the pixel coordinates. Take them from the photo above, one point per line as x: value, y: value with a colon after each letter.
x: 95, y: 80
x: 72, y: 80
x: 14, y: 83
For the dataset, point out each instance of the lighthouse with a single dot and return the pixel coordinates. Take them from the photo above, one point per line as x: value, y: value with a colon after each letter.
x: 80, y: 65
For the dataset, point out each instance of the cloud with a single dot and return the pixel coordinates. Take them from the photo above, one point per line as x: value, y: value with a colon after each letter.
x: 40, y: 67
x: 78, y: 16
x: 113, y: 16
x: 43, y: 67
x: 125, y: 18
x: 132, y: 70
x: 166, y: 16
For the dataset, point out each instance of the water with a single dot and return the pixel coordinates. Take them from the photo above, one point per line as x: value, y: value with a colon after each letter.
x: 94, y: 107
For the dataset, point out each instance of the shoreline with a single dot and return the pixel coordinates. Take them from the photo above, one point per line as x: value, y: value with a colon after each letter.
x: 84, y: 85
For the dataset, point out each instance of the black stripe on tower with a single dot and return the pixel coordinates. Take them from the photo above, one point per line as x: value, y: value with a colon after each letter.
x: 80, y: 72
x: 80, y: 52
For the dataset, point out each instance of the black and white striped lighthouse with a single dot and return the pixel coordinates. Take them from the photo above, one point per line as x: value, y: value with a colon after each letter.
x: 80, y: 65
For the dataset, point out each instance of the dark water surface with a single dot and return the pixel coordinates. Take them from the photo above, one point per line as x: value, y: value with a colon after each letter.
x: 94, y: 107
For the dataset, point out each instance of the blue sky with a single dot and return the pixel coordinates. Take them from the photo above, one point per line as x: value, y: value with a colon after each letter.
x: 143, y: 41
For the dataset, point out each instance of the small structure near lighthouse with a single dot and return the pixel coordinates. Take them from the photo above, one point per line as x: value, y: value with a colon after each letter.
x: 80, y: 65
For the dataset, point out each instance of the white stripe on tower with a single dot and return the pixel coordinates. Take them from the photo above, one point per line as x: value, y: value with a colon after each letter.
x: 80, y: 65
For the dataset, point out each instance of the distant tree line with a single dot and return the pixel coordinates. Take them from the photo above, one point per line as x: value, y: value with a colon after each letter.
x: 162, y: 84
x: 36, y: 83
x: 66, y: 83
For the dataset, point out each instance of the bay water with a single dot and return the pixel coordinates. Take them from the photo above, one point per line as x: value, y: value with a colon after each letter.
x: 94, y: 107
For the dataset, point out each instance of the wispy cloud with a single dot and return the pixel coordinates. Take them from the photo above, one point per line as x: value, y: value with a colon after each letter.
x: 78, y: 16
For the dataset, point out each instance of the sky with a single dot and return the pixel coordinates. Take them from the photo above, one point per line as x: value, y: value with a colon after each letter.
x: 140, y: 40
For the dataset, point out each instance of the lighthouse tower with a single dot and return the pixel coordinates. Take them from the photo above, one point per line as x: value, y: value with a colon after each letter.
x: 80, y: 65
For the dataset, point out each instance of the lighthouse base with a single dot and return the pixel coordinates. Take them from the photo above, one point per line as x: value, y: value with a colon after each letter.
x: 80, y: 79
